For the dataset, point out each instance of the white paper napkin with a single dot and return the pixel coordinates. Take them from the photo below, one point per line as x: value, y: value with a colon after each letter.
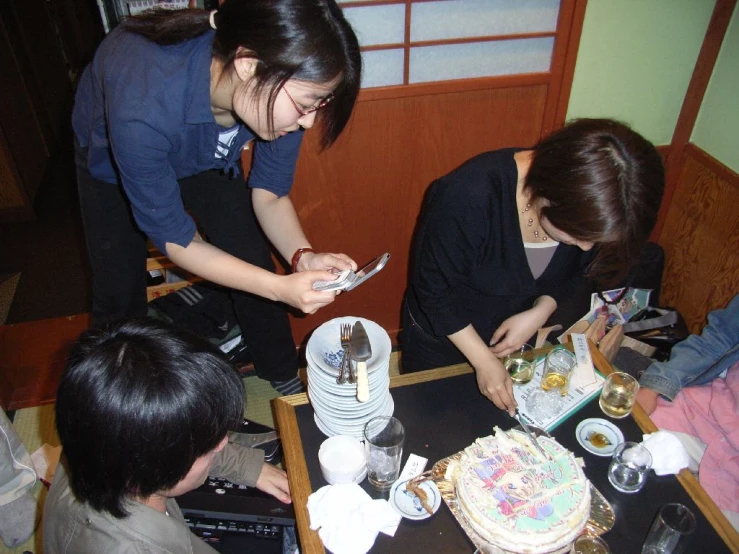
x: 668, y: 453
x: 347, y: 518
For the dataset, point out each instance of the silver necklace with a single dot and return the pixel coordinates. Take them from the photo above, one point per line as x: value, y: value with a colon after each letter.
x: 530, y: 223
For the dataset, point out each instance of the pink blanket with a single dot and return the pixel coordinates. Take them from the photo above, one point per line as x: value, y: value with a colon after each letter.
x: 711, y: 413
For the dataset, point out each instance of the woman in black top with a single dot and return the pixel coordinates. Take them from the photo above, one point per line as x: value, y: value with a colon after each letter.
x: 505, y: 238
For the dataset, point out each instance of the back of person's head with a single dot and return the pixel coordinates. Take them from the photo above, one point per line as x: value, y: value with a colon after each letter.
x: 604, y: 184
x: 138, y: 403
x: 308, y: 40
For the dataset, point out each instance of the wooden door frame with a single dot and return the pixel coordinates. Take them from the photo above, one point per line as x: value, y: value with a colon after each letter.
x: 704, y: 66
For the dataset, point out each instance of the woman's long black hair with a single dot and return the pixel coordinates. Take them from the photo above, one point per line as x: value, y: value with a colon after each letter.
x: 308, y: 40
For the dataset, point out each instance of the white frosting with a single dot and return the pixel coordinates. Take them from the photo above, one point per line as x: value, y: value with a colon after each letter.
x: 519, y: 501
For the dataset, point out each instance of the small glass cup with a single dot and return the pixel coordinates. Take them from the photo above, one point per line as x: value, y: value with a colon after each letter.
x: 670, y: 529
x: 558, y: 368
x: 629, y: 466
x: 383, y: 443
x: 618, y: 395
x: 588, y: 544
x: 520, y: 364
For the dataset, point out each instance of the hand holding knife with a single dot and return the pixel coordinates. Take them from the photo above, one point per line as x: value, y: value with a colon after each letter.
x: 532, y: 438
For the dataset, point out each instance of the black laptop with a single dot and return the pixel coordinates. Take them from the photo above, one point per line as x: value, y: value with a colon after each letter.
x: 232, y: 518
x: 235, y: 519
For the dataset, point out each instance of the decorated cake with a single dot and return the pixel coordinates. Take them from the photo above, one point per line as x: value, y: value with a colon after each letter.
x: 518, y: 500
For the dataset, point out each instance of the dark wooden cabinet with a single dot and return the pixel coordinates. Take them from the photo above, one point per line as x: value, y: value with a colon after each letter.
x: 44, y: 44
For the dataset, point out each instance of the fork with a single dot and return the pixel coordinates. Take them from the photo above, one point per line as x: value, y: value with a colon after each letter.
x: 346, y: 337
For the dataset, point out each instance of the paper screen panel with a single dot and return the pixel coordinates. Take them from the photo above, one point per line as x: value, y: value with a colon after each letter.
x: 477, y: 18
x: 382, y: 68
x: 383, y: 24
x: 480, y: 59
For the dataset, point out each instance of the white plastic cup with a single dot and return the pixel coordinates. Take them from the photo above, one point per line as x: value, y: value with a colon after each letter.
x: 342, y: 460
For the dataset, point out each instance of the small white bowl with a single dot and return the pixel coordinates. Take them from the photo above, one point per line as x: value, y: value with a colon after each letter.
x: 342, y: 460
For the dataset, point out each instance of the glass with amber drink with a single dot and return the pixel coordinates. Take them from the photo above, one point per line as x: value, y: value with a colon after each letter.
x: 549, y: 398
x: 618, y: 395
x: 558, y: 368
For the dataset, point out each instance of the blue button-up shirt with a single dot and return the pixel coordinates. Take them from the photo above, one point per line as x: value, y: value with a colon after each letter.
x: 143, y: 112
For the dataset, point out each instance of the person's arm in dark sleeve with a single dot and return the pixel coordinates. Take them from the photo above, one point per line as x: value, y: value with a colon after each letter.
x: 455, y: 227
x: 453, y: 232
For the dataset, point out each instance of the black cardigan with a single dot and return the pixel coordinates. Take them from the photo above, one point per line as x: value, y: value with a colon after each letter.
x: 468, y: 262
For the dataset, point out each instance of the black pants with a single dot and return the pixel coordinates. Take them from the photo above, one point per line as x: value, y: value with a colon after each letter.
x: 222, y: 206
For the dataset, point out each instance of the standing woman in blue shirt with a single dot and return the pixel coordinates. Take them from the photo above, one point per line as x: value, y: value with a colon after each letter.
x: 161, y: 117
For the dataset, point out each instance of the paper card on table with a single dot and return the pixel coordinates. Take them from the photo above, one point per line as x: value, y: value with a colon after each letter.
x: 414, y: 466
x: 584, y: 374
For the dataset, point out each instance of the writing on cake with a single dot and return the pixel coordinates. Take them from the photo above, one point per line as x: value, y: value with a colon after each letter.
x: 517, y: 499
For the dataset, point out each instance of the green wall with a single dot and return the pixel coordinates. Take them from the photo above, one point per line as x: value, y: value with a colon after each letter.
x: 717, y: 127
x: 635, y: 61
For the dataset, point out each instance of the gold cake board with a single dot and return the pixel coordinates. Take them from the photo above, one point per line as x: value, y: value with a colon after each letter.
x: 602, y: 517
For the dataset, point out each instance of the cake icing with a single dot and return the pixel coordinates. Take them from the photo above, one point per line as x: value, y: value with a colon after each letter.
x: 518, y: 500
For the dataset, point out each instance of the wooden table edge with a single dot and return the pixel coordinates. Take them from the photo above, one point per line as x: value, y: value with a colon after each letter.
x: 300, y: 485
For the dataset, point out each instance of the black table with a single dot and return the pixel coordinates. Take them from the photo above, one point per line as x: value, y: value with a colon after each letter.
x: 444, y: 415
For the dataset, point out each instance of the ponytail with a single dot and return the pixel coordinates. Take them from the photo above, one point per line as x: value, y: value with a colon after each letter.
x: 165, y: 27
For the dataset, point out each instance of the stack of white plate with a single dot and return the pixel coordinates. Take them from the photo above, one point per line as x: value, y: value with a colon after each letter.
x: 336, y: 408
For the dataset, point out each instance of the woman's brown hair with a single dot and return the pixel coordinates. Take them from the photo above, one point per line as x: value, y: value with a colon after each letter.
x: 604, y: 184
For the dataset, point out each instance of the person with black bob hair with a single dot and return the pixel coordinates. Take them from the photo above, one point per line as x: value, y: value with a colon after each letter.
x: 143, y: 412
x: 161, y: 117
x: 504, y: 240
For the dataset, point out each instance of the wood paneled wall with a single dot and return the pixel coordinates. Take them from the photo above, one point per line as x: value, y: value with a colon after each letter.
x: 363, y: 195
x: 701, y: 239
x: 697, y: 224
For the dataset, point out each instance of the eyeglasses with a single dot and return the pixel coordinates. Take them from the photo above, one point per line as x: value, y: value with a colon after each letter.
x: 303, y: 112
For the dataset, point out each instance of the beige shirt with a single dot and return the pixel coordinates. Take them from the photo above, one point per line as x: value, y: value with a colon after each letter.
x: 73, y: 527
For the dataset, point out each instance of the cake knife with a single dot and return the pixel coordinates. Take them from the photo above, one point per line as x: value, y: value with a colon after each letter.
x: 532, y: 438
x: 361, y: 351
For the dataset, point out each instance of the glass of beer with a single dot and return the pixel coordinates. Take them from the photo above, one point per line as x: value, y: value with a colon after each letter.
x: 520, y: 364
x: 618, y: 395
x: 558, y: 368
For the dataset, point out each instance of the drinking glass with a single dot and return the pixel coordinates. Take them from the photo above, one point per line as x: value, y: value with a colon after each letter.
x: 588, y: 544
x: 669, y: 531
x: 618, y: 395
x: 558, y: 368
x: 383, y: 443
x: 520, y: 364
x: 629, y: 466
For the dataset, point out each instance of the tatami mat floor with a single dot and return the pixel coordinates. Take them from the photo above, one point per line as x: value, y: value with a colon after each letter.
x: 36, y: 427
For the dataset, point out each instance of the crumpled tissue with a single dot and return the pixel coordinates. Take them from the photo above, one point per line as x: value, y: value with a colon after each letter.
x: 668, y: 453
x: 347, y: 518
